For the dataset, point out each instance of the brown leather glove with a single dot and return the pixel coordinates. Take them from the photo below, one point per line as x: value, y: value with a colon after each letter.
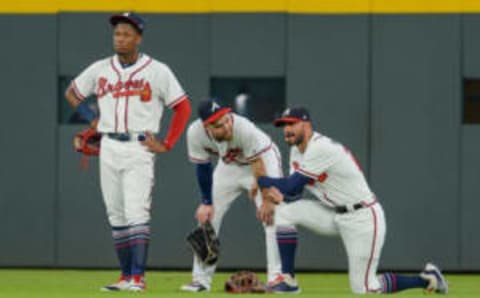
x: 245, y: 282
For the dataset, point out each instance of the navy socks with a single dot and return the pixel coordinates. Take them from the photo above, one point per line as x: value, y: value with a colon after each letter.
x: 287, y: 239
x: 131, y: 245
x: 392, y: 283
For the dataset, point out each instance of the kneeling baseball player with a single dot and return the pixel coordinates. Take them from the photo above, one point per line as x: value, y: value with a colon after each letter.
x: 346, y: 206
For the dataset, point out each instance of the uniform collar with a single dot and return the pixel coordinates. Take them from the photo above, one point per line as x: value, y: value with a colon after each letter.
x: 315, y: 136
x: 142, y: 58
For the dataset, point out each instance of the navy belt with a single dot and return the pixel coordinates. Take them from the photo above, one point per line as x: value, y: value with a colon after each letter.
x: 350, y: 208
x: 126, y: 137
x: 345, y: 209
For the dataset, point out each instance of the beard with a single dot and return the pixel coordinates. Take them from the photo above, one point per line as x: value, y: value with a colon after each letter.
x: 293, y: 140
x: 219, y: 139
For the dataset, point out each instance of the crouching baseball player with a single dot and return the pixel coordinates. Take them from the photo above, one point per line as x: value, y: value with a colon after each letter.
x: 244, y: 153
x: 346, y: 206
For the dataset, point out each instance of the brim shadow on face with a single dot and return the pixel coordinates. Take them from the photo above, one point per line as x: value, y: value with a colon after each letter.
x: 280, y: 122
x: 115, y: 20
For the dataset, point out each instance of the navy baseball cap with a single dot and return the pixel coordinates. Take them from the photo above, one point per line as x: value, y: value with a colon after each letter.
x: 131, y: 18
x: 293, y: 115
x: 210, y: 110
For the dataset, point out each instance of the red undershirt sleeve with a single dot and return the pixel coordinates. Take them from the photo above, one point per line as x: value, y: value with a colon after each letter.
x: 181, y: 114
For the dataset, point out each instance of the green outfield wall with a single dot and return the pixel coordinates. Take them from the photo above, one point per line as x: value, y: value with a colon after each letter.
x: 385, y: 81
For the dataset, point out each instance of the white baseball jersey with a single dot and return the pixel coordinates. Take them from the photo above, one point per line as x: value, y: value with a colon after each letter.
x: 338, y: 179
x: 130, y: 99
x: 248, y: 142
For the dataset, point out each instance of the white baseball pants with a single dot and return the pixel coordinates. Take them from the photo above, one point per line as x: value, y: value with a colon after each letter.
x: 229, y: 180
x: 362, y: 231
x: 126, y: 180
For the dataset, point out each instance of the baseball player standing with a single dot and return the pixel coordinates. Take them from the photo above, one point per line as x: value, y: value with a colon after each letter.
x: 132, y: 90
x: 346, y: 206
x: 244, y: 153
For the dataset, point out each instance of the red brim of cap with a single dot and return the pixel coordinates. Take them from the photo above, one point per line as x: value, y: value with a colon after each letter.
x: 214, y: 117
x: 282, y: 121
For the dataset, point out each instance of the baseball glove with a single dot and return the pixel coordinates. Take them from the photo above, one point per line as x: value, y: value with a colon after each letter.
x: 244, y: 282
x: 205, y: 243
x: 87, y: 141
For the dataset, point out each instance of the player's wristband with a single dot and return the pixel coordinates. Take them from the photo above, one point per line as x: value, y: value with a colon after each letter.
x: 291, y: 185
x: 85, y: 112
x: 207, y: 202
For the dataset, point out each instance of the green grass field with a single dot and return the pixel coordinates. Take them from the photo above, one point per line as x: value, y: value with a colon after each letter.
x: 86, y: 283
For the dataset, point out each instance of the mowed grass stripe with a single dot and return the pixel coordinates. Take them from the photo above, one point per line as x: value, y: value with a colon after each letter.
x: 18, y: 283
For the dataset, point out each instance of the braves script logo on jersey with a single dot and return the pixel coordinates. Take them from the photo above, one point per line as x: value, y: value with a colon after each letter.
x: 122, y: 89
x: 231, y: 155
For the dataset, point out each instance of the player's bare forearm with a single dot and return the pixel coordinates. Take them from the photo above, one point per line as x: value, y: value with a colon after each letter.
x: 258, y: 168
x: 266, y: 210
x: 72, y: 98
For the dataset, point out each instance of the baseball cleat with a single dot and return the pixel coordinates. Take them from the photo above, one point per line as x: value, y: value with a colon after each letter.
x: 435, y: 278
x: 195, y: 286
x: 137, y: 284
x: 121, y: 285
x: 284, y: 284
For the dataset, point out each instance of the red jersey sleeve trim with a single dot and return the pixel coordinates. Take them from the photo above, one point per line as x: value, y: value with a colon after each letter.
x: 306, y: 173
x: 198, y: 160
x: 250, y: 158
x: 76, y: 91
x: 177, y: 101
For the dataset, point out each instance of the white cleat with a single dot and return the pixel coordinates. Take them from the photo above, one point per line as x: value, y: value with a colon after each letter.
x: 137, y: 284
x: 136, y: 288
x: 195, y: 286
x: 435, y: 278
x: 121, y: 285
x: 284, y: 284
